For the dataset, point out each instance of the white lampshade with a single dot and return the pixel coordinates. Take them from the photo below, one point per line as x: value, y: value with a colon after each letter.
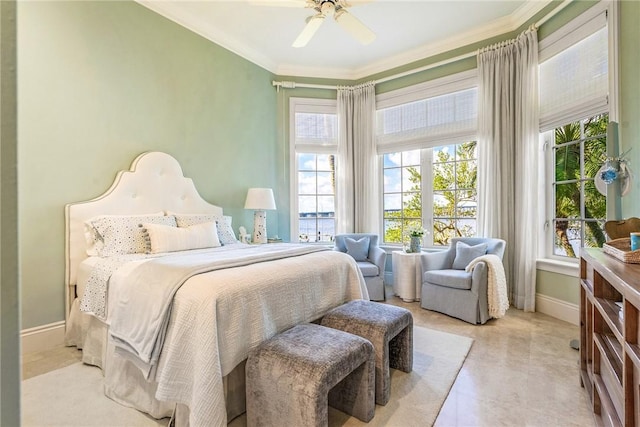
x: 260, y: 199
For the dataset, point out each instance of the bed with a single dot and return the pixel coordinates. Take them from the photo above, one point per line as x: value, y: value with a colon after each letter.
x: 171, y: 328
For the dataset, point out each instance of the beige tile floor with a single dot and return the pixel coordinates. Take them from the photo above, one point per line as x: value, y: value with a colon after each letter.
x: 520, y: 371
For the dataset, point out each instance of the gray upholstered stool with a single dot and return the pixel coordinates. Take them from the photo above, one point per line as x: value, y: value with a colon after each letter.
x: 294, y: 376
x: 390, y: 330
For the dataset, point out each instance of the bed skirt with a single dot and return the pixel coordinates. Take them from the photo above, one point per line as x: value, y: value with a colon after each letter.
x: 124, y: 383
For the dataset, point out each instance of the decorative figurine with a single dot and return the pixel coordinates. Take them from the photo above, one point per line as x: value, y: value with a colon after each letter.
x: 244, y: 236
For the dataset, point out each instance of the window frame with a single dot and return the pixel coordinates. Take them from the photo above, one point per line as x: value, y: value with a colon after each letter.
x: 426, y: 192
x: 570, y: 34
x: 305, y: 105
x: 550, y: 179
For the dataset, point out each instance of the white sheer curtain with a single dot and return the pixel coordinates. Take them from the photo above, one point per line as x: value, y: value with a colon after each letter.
x: 508, y: 153
x: 357, y: 177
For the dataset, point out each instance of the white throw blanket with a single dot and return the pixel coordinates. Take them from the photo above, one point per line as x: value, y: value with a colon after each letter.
x: 497, y: 297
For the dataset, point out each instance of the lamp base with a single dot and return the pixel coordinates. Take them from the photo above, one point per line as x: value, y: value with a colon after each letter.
x: 260, y: 227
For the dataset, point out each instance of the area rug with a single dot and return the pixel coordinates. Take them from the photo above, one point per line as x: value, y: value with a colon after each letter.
x: 416, y: 397
x: 73, y: 396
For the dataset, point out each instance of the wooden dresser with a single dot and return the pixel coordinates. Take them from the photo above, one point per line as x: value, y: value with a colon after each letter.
x: 610, y: 337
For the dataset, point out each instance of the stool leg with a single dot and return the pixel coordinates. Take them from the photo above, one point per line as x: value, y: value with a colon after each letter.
x: 271, y: 404
x: 355, y: 394
x: 401, y: 350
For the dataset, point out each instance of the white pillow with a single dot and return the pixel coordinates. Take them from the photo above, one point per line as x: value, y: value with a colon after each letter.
x: 225, y: 231
x: 170, y: 239
x: 109, y: 235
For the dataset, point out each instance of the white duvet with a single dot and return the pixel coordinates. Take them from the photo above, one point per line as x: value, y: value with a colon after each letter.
x: 217, y: 317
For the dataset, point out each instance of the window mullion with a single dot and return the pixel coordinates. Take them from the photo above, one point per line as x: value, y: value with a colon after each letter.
x: 427, y: 193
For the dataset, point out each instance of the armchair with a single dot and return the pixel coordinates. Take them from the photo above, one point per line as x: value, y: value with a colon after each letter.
x: 449, y: 289
x: 370, y: 258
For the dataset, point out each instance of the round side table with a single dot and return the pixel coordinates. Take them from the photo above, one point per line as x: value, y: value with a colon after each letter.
x: 407, y: 275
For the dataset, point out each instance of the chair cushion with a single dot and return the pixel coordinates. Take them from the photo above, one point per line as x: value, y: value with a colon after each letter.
x: 368, y: 269
x: 465, y: 254
x: 458, y: 279
x: 358, y: 249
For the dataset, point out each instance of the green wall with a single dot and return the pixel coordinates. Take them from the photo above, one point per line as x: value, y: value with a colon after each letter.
x: 9, y: 286
x: 630, y: 98
x: 101, y: 82
x: 559, y: 286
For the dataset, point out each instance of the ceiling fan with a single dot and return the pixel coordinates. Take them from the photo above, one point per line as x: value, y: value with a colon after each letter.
x: 324, y: 9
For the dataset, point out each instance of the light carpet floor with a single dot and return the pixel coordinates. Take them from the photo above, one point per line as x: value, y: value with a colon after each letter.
x: 73, y: 396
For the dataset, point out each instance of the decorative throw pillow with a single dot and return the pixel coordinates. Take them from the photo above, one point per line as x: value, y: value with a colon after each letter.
x: 93, y: 238
x: 225, y: 232
x: 170, y: 239
x: 358, y: 249
x: 122, y: 234
x: 465, y: 254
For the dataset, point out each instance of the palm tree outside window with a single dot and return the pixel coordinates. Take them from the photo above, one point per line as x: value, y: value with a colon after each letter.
x: 579, y: 149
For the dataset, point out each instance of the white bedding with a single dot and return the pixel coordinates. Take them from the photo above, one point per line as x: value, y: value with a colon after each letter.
x: 84, y: 270
x: 234, y: 310
x: 141, y: 311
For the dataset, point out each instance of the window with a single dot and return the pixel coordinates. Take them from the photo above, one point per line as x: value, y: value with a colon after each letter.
x: 578, y: 201
x: 429, y: 171
x: 314, y: 139
x: 402, y: 195
x: 448, y: 187
x: 455, y: 199
x: 316, y: 197
x: 574, y: 118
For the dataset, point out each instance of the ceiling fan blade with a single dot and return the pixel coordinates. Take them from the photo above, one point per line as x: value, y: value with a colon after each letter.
x: 309, y: 30
x: 354, y: 27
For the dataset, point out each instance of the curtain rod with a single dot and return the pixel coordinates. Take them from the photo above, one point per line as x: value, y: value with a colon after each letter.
x: 293, y: 85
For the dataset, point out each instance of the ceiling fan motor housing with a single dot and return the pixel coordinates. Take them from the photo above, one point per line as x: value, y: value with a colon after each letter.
x: 328, y: 7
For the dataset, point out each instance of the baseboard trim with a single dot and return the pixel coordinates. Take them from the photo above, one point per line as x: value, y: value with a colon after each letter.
x: 42, y: 338
x: 558, y: 308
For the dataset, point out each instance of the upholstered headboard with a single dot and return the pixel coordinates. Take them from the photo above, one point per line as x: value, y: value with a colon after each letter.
x: 154, y: 183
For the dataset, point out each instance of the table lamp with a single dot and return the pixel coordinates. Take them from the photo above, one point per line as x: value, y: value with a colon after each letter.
x: 260, y: 200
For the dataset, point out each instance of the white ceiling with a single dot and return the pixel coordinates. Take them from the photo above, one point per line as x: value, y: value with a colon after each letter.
x: 406, y: 31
